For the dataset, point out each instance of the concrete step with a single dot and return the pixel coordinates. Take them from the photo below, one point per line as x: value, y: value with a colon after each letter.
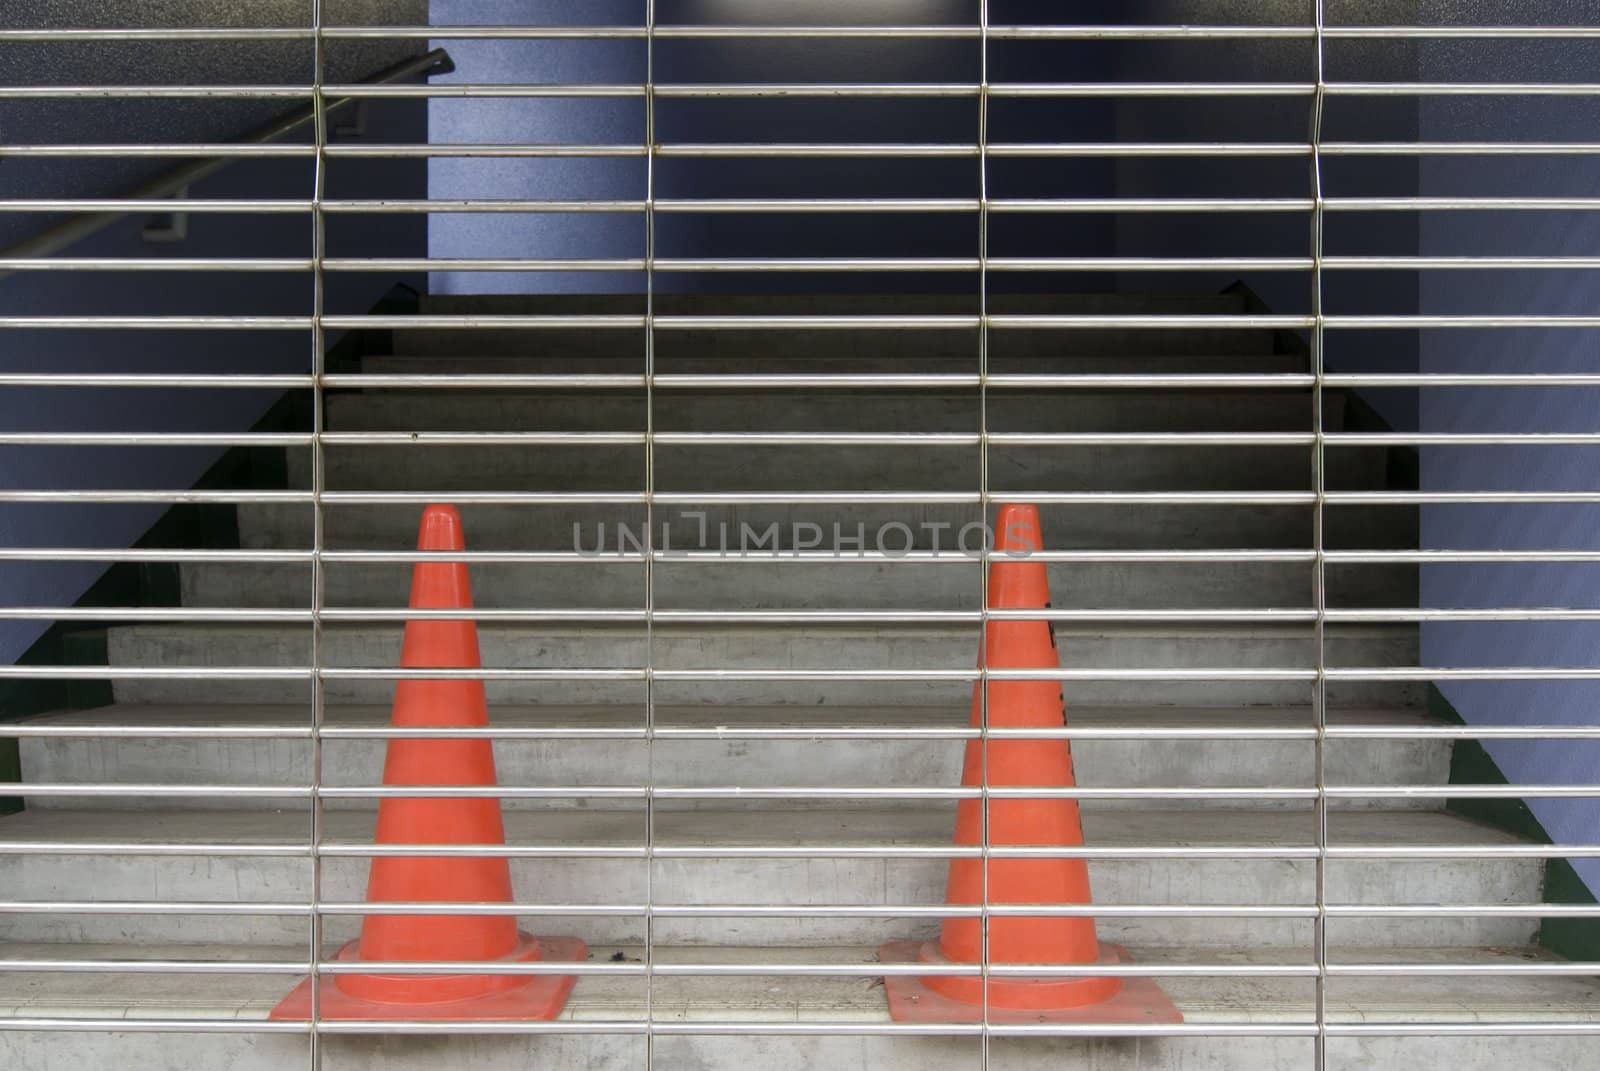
x: 1066, y: 527
x: 716, y: 648
x: 1468, y: 1000
x: 579, y: 468
x: 765, y: 344
x: 830, y: 410
x: 718, y: 756
x: 771, y: 582
x: 899, y: 878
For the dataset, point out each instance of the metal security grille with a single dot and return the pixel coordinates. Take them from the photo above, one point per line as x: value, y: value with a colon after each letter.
x: 728, y: 328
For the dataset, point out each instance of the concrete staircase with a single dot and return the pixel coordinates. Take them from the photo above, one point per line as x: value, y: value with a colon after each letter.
x: 1227, y: 851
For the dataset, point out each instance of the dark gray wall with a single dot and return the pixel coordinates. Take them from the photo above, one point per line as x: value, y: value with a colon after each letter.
x: 76, y: 293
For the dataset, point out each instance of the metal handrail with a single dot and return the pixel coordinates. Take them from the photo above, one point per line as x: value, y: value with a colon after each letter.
x: 69, y: 232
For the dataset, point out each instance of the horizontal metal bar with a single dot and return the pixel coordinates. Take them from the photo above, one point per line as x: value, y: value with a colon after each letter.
x: 243, y: 381
x: 142, y: 554
x: 1451, y: 557
x: 781, y: 150
x: 815, y: 204
x: 818, y: 149
x: 1147, y: 149
x: 1048, y: 264
x: 770, y: 1028
x: 795, y: 323
x: 164, y: 323
x: 28, y: 671
x: 433, y: 150
x: 779, y: 498
x: 128, y: 497
x: 1462, y: 89
x: 811, y: 264
x: 1154, y: 438
x: 1457, y: 673
x: 814, y: 381
x: 1461, y: 204
x: 836, y: 205
x: 1264, y: 674
x: 1159, y: 322
x: 503, y: 264
x: 1461, y: 263
x: 792, y: 264
x: 401, y: 206
x: 816, y: 323
x: 1463, y: 379
x: 765, y: 381
x: 1160, y: 498
x: 793, y: 792
x: 754, y: 1028
x: 1423, y: 498
x: 887, y: 31
x: 485, y: 381
x: 170, y: 264
x: 697, y: 911
x: 803, y: 732
x: 1510, y: 438
x: 1150, y: 380
x: 160, y: 149
x: 1099, y: 673
x: 1508, y: 613
x: 151, y: 438
x: 752, y: 90
x: 610, y: 910
x: 1460, y: 148
x: 1173, y: 557
x: 264, y: 205
x: 354, y: 91
x: 819, y: 438
x: 151, y: 966
x: 497, y: 438
x: 483, y: 498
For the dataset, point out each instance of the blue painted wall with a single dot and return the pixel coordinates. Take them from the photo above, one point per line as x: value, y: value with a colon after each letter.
x: 1519, y: 468
x: 622, y: 122
x: 47, y: 293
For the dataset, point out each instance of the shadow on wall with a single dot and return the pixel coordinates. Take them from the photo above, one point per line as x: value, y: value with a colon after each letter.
x: 149, y: 293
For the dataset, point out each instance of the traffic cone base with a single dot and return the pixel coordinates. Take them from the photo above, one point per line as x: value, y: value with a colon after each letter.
x: 913, y: 999
x: 450, y: 703
x: 518, y: 997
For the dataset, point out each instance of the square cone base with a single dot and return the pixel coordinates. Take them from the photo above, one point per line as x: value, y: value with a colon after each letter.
x: 1139, y: 1000
x: 542, y: 997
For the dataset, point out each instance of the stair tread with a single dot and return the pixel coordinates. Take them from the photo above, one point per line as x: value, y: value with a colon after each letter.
x: 859, y: 826
x: 1433, y: 998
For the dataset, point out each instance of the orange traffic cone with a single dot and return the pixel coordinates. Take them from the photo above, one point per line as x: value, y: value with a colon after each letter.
x: 436, y: 643
x: 1037, y: 763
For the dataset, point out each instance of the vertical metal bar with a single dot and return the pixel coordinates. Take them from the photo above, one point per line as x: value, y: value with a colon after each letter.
x: 649, y: 525
x: 1319, y: 592
x: 983, y: 504
x: 319, y: 127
